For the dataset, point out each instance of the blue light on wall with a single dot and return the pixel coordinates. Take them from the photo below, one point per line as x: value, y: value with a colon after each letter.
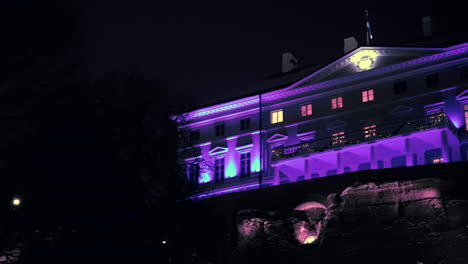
x: 231, y: 170
x: 204, y: 178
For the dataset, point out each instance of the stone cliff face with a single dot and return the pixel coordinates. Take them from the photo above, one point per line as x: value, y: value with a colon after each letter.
x: 374, y: 222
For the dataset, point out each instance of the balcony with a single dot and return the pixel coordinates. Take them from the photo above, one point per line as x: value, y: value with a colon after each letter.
x: 437, y: 120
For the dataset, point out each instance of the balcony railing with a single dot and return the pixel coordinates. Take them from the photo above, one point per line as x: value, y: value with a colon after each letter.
x: 380, y: 132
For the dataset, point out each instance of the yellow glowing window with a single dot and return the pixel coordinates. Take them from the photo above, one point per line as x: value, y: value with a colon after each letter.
x: 368, y: 95
x: 437, y: 160
x: 277, y: 116
x: 466, y: 116
x: 306, y: 110
x: 369, y: 131
x: 337, y: 102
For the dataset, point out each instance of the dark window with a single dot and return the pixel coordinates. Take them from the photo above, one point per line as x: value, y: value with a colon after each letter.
x: 300, y: 178
x: 399, y: 161
x: 194, y: 172
x: 399, y: 87
x: 380, y: 164
x: 331, y: 172
x: 415, y: 159
x: 432, y: 80
x: 244, y: 123
x: 194, y: 135
x: 245, y: 164
x: 347, y: 169
x: 219, y: 169
x: 364, y: 166
x: 315, y: 175
x: 219, y: 130
x: 464, y: 73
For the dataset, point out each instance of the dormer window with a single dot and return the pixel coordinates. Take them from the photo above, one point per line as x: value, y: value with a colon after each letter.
x: 466, y: 116
x: 370, y: 131
x: 277, y: 116
x: 337, y: 102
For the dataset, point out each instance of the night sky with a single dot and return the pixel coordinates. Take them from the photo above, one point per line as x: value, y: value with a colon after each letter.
x: 207, y: 52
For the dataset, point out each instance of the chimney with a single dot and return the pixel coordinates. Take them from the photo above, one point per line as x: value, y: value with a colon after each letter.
x: 350, y: 44
x: 289, y: 62
x: 427, y: 26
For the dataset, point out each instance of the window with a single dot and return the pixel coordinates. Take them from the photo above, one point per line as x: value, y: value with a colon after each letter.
x: 219, y: 169
x: 245, y: 164
x: 466, y: 116
x: 219, y: 130
x: 433, y: 156
x: 437, y: 160
x: 244, y: 123
x: 369, y: 131
x: 194, y: 172
x: 194, y: 135
x: 464, y: 73
x: 368, y: 95
x: 338, y: 138
x: 306, y: 110
x: 399, y: 87
x: 337, y: 102
x: 277, y: 116
x: 432, y: 80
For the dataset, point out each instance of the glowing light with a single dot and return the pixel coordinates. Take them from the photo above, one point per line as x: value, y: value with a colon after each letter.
x: 310, y: 239
x: 16, y: 201
x: 364, y: 59
x: 164, y: 242
x: 255, y: 167
x: 231, y: 170
x: 204, y: 178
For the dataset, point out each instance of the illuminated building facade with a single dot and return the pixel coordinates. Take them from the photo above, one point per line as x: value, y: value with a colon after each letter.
x: 374, y: 108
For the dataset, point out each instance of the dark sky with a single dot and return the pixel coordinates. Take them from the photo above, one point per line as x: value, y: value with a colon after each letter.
x: 205, y: 52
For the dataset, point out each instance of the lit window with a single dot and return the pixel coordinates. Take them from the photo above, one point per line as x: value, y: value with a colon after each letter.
x: 466, y: 116
x: 368, y: 95
x: 338, y: 138
x: 337, y: 102
x: 219, y: 169
x: 437, y: 160
x: 306, y: 110
x: 219, y: 130
x: 369, y: 131
x: 277, y: 116
x: 245, y: 164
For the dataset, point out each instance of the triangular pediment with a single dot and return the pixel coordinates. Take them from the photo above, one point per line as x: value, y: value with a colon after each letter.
x: 400, y: 109
x: 276, y: 138
x: 218, y: 150
x: 365, y: 59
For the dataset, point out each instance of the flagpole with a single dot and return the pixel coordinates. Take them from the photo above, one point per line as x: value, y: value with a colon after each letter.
x: 367, y: 27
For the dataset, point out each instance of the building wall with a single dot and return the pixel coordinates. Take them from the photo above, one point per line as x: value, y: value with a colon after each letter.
x: 413, y: 144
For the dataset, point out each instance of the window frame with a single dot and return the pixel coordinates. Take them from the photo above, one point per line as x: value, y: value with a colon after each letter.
x: 370, y: 131
x: 245, y: 164
x: 306, y: 110
x: 219, y: 130
x: 277, y: 112
x: 338, y: 138
x: 367, y: 95
x: 219, y: 168
x: 244, y: 123
x: 337, y: 102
